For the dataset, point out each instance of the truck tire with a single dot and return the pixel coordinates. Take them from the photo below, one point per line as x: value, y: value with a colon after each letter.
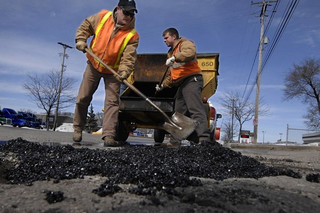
x: 193, y: 137
x: 122, y: 132
x: 158, y: 135
x: 212, y: 136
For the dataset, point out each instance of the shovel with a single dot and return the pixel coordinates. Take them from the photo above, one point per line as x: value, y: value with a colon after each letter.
x: 178, y: 125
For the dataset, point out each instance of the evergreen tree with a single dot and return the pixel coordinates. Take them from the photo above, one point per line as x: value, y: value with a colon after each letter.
x: 91, y: 125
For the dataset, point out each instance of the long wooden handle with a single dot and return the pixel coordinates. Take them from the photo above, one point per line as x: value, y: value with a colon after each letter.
x: 133, y: 88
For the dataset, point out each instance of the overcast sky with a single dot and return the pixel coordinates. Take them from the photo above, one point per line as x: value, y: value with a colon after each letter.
x: 30, y: 30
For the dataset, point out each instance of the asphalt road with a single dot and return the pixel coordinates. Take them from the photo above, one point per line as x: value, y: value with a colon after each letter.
x: 42, y: 136
x: 267, y: 194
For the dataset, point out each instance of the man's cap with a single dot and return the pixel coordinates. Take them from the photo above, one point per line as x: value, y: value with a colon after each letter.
x: 128, y: 5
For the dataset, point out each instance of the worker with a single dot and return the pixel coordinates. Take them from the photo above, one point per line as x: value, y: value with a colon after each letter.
x: 185, y: 74
x: 114, y: 41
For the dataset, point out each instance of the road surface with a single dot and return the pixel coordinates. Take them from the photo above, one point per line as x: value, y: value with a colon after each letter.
x: 240, y: 195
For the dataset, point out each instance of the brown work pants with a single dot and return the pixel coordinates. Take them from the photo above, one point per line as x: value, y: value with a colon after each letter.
x: 89, y: 85
x: 188, y: 102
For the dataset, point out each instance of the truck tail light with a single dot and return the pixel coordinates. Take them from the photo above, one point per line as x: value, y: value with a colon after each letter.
x: 204, y: 100
x: 212, y: 113
x: 217, y: 134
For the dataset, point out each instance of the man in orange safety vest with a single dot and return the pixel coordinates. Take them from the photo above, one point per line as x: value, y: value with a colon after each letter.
x: 114, y: 41
x: 185, y: 74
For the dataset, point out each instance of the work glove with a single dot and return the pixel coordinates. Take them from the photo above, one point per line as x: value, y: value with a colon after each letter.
x: 81, y: 45
x: 167, y: 83
x: 170, y: 61
x: 121, y: 76
x: 159, y: 88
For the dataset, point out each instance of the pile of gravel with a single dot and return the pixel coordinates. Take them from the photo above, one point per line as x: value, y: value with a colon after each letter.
x: 149, y: 168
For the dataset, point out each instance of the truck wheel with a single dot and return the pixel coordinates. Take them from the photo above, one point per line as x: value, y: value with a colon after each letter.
x: 122, y: 132
x: 212, y: 137
x: 193, y: 137
x: 159, y: 135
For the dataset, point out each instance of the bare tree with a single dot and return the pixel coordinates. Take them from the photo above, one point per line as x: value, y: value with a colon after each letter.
x: 229, y: 131
x: 43, y: 90
x: 241, y: 109
x: 313, y: 118
x: 303, y: 82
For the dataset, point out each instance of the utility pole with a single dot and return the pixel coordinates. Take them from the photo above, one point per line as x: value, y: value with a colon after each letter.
x: 287, y: 134
x: 264, y: 5
x: 232, y: 119
x: 65, y: 46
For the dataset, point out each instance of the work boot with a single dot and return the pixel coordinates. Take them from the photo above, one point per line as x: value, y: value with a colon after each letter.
x: 76, y: 144
x: 204, y: 141
x: 158, y: 143
x: 109, y: 141
x: 173, y: 143
x: 77, y: 136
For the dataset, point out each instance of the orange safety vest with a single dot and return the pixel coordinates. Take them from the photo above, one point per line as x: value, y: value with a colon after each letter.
x: 108, y: 49
x: 182, y: 69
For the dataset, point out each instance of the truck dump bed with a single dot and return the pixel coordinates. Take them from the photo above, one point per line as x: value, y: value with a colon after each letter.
x: 149, y: 70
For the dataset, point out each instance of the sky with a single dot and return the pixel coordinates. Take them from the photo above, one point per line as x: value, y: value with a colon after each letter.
x: 30, y: 30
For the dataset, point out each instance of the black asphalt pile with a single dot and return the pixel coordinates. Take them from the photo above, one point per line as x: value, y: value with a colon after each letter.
x: 313, y: 178
x: 149, y: 168
x: 54, y: 196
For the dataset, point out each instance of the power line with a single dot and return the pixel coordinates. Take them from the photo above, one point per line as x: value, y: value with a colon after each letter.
x: 291, y: 6
x: 257, y: 51
x: 261, y: 64
x: 288, y: 14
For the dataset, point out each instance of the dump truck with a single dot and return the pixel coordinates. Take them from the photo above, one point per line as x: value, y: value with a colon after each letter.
x: 135, y: 112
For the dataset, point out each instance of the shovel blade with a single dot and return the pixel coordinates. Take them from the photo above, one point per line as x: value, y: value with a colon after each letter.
x: 183, y: 128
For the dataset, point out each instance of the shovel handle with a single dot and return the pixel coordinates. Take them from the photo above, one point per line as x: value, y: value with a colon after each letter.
x: 164, y: 75
x: 133, y: 88
x: 115, y: 73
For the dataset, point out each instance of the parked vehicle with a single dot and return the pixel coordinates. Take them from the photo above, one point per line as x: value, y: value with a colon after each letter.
x: 23, y: 115
x: 3, y: 120
x: 17, y: 120
x: 34, y: 121
x: 31, y: 119
x: 214, y: 130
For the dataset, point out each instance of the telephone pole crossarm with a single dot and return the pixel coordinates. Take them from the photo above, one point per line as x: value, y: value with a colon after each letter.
x: 264, y: 2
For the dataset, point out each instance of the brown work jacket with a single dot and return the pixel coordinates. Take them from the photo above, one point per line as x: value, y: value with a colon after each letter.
x: 107, y: 45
